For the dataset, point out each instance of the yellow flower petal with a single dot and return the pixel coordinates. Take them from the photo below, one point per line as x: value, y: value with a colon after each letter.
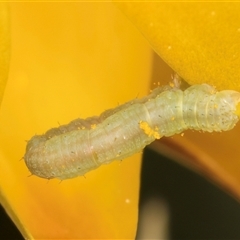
x: 4, y: 46
x: 70, y: 60
x: 200, y: 41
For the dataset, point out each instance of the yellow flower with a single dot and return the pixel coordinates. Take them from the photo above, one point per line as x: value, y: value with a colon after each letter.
x: 71, y: 60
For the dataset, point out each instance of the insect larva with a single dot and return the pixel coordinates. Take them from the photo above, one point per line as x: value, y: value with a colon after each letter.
x: 82, y: 145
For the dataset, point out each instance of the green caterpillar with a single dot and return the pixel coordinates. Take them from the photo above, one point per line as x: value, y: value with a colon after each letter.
x: 83, y: 145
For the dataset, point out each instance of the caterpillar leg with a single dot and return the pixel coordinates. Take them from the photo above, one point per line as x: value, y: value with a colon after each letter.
x: 176, y: 81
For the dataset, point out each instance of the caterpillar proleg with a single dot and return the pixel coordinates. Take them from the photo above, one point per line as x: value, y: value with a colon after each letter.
x: 83, y: 145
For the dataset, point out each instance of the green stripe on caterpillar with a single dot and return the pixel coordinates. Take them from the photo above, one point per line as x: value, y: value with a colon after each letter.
x: 83, y: 145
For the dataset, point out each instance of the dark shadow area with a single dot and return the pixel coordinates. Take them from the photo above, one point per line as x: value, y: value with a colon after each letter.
x: 8, y: 230
x: 197, y: 209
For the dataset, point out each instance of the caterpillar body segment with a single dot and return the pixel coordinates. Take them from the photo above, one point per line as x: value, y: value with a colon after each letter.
x: 83, y: 145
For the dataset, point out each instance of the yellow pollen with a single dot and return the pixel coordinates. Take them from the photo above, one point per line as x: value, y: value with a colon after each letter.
x: 148, y: 130
x: 93, y: 126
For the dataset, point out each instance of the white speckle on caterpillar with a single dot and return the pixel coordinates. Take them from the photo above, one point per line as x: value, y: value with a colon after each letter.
x: 83, y: 145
